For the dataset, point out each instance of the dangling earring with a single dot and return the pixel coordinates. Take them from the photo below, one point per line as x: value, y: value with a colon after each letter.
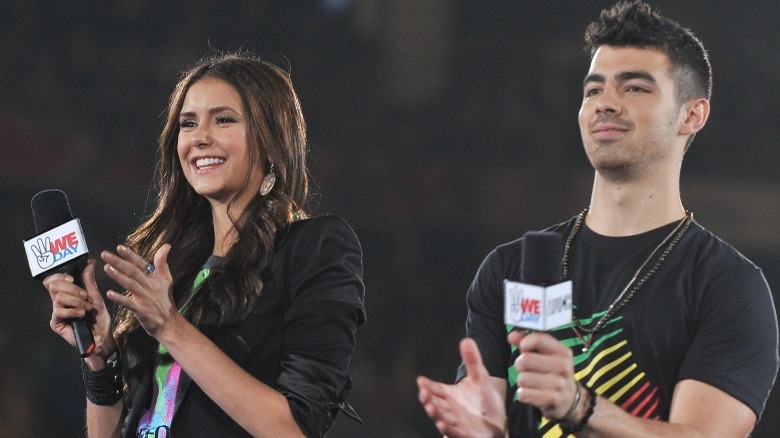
x: 268, y: 181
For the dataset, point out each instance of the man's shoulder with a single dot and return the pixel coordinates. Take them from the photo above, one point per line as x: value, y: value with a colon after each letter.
x: 514, y: 247
x: 506, y: 257
x: 710, y: 248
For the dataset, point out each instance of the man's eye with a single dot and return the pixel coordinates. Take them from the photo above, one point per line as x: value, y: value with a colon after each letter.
x: 592, y: 92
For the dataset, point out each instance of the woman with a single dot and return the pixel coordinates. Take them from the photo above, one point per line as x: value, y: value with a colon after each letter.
x: 245, y: 321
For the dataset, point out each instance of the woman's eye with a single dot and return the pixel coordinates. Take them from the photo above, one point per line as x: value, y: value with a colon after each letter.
x: 225, y: 119
x: 186, y: 124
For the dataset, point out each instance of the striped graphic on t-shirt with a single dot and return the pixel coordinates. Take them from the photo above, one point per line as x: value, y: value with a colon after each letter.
x: 608, y: 367
x: 156, y: 422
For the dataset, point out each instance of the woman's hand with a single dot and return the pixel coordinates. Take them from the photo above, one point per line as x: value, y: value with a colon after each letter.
x: 150, y: 295
x: 70, y: 301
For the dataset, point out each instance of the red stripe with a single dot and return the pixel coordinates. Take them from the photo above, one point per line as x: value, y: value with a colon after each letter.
x: 652, y: 410
x: 631, y: 400
x: 645, y: 401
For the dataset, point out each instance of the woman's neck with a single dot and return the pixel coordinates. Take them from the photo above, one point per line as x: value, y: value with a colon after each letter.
x: 225, y: 234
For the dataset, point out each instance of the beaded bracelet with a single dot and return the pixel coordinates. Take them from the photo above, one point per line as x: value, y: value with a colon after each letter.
x: 104, y: 387
x: 591, y: 405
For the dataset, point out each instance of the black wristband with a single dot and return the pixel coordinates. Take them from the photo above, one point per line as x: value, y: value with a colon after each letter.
x: 104, y: 387
x: 591, y: 405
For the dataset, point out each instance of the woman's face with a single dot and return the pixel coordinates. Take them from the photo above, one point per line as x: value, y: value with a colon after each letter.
x: 212, y: 145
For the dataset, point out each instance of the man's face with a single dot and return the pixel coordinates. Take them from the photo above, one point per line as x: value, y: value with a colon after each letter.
x: 629, y: 118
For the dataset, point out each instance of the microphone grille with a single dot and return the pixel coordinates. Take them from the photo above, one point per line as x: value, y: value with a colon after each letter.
x: 50, y: 209
x: 542, y: 254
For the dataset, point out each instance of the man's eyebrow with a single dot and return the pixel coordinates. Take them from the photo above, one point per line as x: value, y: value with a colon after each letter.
x: 595, y: 77
x: 635, y: 74
x: 621, y: 77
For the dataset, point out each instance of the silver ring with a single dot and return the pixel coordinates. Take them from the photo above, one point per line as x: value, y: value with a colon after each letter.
x: 149, y: 269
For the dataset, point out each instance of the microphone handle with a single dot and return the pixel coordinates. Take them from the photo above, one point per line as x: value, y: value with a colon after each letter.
x: 533, y: 416
x: 83, y: 332
x: 82, y: 327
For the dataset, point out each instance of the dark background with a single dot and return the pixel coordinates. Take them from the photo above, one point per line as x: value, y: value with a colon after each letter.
x: 438, y: 128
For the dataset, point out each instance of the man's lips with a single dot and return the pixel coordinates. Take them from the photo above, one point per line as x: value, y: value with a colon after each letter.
x: 607, y: 131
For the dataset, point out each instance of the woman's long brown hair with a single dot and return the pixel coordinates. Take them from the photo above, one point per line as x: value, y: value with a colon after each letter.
x: 276, y: 131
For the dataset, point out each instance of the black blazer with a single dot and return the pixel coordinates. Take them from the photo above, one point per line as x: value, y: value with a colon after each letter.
x: 298, y: 339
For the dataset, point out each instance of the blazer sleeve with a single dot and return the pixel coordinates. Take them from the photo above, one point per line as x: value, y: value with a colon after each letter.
x: 323, y: 274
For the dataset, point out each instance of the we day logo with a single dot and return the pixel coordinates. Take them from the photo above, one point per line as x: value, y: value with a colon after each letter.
x: 523, y: 305
x: 55, y: 247
x: 526, y: 309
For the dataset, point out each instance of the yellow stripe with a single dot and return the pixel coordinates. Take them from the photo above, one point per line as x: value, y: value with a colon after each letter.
x: 613, y: 381
x: 616, y: 396
x: 606, y: 368
x: 587, y: 370
x: 554, y: 432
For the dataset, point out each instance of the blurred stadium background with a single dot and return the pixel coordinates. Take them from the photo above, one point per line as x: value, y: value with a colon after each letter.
x: 438, y: 128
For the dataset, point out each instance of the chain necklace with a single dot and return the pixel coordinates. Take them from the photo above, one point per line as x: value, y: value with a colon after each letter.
x: 632, y: 287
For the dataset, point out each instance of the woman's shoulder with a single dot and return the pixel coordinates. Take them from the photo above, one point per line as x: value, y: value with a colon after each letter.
x: 322, y: 250
x: 320, y: 223
x: 321, y: 227
x: 314, y: 232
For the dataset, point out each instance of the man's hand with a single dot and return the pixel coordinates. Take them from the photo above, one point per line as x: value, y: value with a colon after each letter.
x: 545, y: 373
x: 474, y: 407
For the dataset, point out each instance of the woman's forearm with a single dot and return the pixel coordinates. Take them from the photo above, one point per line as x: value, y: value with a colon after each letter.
x: 104, y: 421
x: 258, y: 408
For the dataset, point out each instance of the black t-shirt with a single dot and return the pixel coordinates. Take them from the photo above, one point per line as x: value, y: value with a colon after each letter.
x: 706, y: 314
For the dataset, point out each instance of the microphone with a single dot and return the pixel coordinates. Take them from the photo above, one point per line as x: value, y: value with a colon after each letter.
x: 540, y: 301
x: 59, y: 247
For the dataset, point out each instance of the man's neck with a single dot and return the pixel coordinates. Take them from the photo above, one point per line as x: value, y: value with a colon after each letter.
x: 626, y: 208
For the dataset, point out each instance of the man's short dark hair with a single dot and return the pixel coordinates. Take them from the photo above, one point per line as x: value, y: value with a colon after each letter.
x: 634, y: 23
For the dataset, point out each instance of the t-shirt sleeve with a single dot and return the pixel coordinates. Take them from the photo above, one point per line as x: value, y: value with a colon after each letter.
x: 736, y: 346
x: 485, y: 318
x: 324, y: 276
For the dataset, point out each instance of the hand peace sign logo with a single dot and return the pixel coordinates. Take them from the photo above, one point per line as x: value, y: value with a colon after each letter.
x: 43, y: 254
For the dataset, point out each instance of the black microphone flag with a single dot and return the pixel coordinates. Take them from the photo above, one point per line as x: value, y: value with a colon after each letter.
x: 59, y: 247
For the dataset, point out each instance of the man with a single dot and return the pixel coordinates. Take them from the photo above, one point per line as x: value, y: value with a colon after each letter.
x: 675, y: 332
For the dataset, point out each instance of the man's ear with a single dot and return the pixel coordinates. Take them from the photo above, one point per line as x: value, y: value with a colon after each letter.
x: 697, y: 111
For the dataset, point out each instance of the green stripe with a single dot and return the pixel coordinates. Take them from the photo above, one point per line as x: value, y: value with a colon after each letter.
x: 195, y: 288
